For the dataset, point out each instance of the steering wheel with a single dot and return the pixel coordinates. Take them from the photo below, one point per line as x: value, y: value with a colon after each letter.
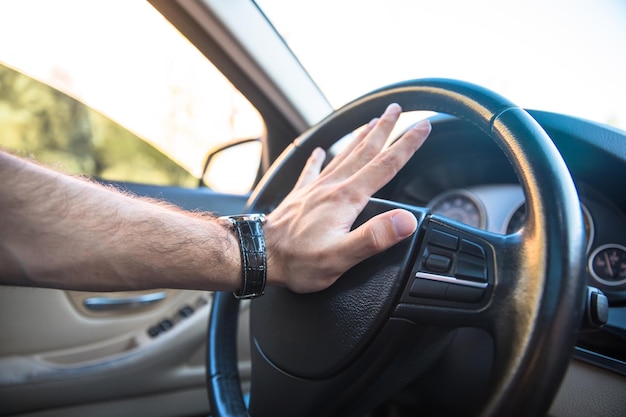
x: 387, y: 320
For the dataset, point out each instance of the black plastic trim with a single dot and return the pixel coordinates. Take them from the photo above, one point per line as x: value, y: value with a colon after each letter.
x: 602, y: 361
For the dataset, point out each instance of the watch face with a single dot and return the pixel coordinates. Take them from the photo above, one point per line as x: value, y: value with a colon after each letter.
x: 243, y: 217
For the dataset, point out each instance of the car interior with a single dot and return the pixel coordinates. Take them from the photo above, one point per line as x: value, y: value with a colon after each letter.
x: 510, y: 299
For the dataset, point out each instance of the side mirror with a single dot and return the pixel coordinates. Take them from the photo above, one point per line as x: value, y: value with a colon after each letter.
x: 234, y: 167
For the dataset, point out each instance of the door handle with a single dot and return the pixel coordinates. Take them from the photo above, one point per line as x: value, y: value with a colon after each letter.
x: 123, y: 303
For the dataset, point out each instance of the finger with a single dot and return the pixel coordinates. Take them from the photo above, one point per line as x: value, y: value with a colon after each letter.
x: 312, y: 168
x: 370, y: 146
x: 353, y: 144
x: 386, y: 165
x: 378, y: 234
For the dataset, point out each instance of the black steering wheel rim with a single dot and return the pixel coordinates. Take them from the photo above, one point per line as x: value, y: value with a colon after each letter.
x: 545, y: 310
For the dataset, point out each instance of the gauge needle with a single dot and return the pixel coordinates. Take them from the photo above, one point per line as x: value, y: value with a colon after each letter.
x: 608, y: 263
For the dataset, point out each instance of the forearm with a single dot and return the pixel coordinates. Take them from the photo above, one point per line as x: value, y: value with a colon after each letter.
x: 64, y: 232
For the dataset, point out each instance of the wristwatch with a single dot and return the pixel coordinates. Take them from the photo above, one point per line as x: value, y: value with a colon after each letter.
x: 249, y: 231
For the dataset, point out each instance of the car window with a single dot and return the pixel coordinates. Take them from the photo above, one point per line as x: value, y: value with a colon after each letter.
x: 98, y: 96
x: 57, y: 130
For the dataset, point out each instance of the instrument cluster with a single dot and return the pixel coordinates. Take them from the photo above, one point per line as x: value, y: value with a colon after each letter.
x: 502, y: 209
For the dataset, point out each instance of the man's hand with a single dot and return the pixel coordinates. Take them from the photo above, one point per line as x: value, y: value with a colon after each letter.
x: 308, y: 236
x: 64, y: 232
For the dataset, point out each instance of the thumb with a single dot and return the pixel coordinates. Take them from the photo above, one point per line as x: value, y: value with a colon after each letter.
x: 381, y: 232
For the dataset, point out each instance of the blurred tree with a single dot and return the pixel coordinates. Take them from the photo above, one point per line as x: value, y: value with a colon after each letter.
x: 39, y: 121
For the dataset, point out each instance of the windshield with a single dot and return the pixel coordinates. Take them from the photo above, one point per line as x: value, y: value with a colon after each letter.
x: 563, y: 56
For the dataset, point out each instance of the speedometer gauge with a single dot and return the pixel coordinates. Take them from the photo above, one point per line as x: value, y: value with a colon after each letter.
x: 460, y: 205
x: 517, y: 219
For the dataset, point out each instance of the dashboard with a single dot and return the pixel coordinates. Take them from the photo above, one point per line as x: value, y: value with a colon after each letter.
x: 461, y: 173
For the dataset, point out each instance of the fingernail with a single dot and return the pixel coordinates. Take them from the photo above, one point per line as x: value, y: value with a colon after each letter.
x: 423, y: 125
x: 404, y: 224
x: 372, y: 122
x: 318, y: 153
x: 393, y: 108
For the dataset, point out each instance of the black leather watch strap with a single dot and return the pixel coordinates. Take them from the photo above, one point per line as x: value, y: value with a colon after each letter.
x: 249, y: 230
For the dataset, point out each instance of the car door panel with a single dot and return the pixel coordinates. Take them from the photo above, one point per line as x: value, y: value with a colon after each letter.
x: 63, y: 354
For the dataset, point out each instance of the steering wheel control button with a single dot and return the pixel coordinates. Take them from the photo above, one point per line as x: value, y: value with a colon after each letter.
x: 470, y: 268
x: 473, y: 249
x: 443, y: 239
x: 446, y: 288
x: 464, y: 293
x: 429, y: 289
x: 454, y: 267
x: 438, y: 263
